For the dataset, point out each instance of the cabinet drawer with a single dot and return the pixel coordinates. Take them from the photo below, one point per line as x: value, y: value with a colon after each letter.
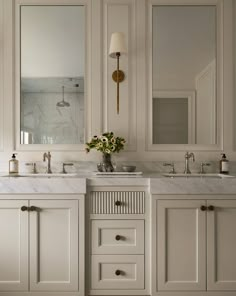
x: 117, y: 236
x: 117, y: 202
x: 119, y: 272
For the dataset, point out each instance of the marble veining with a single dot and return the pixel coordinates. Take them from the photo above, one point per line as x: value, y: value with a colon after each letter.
x: 154, y: 183
x: 42, y: 185
x: 192, y: 186
x: 42, y: 122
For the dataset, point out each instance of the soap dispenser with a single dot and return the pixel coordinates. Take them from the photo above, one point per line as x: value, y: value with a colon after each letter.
x: 224, y: 164
x: 13, y: 165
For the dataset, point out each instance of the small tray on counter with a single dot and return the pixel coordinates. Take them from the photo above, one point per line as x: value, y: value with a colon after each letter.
x: 118, y: 173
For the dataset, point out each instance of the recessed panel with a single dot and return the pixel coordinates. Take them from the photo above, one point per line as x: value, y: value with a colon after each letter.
x: 181, y: 252
x: 9, y: 245
x: 225, y: 252
x: 120, y: 272
x: 54, y: 245
x: 117, y: 237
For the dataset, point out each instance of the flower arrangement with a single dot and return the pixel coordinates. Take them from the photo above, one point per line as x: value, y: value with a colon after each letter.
x: 107, y: 143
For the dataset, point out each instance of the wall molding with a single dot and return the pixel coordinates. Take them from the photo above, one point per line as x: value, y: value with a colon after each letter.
x: 2, y: 27
x: 123, y: 124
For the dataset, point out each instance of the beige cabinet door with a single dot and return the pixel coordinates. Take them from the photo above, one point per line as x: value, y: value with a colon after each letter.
x: 181, y: 245
x: 13, y: 246
x: 54, y: 245
x: 221, y: 246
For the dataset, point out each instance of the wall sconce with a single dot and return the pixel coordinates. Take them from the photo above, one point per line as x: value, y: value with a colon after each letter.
x: 117, y: 47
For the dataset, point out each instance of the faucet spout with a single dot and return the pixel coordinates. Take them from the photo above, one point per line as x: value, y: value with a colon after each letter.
x: 48, y: 157
x: 187, y: 157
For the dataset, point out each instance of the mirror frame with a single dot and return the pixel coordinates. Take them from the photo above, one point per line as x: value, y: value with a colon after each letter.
x: 87, y: 86
x: 219, y: 78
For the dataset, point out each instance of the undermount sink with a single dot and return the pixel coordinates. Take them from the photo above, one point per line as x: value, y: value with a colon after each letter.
x: 213, y: 175
x: 41, y: 175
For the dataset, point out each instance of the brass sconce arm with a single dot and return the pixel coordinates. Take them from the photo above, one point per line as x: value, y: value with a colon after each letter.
x: 117, y: 47
x: 118, y: 76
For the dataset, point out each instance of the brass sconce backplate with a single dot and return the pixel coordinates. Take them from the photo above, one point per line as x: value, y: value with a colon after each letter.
x: 121, y: 76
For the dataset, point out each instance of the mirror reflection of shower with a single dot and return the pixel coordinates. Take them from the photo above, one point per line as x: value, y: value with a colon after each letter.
x: 63, y: 103
x: 52, y: 110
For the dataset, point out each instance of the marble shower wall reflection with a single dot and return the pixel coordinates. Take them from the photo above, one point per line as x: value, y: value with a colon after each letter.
x: 42, y: 121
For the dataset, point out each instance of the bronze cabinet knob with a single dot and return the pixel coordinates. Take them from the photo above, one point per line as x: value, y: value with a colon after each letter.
x: 118, y: 203
x: 203, y: 208
x: 24, y: 208
x: 33, y: 208
x: 118, y: 272
x: 211, y: 208
x: 118, y: 237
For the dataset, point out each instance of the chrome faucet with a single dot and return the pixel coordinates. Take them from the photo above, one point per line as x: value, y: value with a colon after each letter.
x: 187, y: 157
x: 48, y: 156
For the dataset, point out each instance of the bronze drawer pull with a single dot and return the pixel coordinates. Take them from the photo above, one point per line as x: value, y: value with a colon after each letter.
x: 118, y: 272
x: 33, y: 209
x: 203, y: 208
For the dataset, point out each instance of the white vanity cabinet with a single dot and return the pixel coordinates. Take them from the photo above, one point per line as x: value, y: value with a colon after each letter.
x: 118, y: 239
x: 194, y: 243
x: 42, y: 244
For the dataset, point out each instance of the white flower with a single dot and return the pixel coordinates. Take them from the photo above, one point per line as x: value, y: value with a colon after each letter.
x: 107, y: 151
x: 95, y: 137
x: 113, y: 148
x: 113, y: 140
x: 104, y: 139
x: 99, y: 145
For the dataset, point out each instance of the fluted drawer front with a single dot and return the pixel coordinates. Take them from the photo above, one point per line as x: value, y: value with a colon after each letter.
x: 117, y: 202
x: 120, y: 272
x: 117, y: 236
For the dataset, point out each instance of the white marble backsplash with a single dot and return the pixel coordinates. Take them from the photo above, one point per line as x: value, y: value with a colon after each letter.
x: 91, y: 166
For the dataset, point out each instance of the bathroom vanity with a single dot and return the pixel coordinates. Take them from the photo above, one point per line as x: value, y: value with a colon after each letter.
x: 149, y: 235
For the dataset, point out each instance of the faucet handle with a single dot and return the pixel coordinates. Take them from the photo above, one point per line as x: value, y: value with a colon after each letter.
x: 172, y: 167
x: 33, y: 164
x: 64, y: 165
x: 188, y: 155
x: 203, y: 164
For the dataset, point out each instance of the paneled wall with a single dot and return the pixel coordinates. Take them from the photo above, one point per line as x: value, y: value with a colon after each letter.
x: 1, y: 77
x: 119, y: 16
x: 103, y: 18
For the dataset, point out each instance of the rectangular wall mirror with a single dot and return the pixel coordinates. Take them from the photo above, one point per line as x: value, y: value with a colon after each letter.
x: 52, y: 74
x: 185, y: 104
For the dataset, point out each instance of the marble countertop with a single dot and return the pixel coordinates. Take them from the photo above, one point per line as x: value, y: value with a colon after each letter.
x: 32, y: 185
x: 155, y: 183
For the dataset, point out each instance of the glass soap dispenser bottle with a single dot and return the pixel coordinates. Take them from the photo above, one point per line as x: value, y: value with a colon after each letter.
x: 224, y: 164
x: 13, y: 165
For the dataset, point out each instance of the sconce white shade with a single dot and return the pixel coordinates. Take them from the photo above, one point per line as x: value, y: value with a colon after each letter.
x: 117, y: 44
